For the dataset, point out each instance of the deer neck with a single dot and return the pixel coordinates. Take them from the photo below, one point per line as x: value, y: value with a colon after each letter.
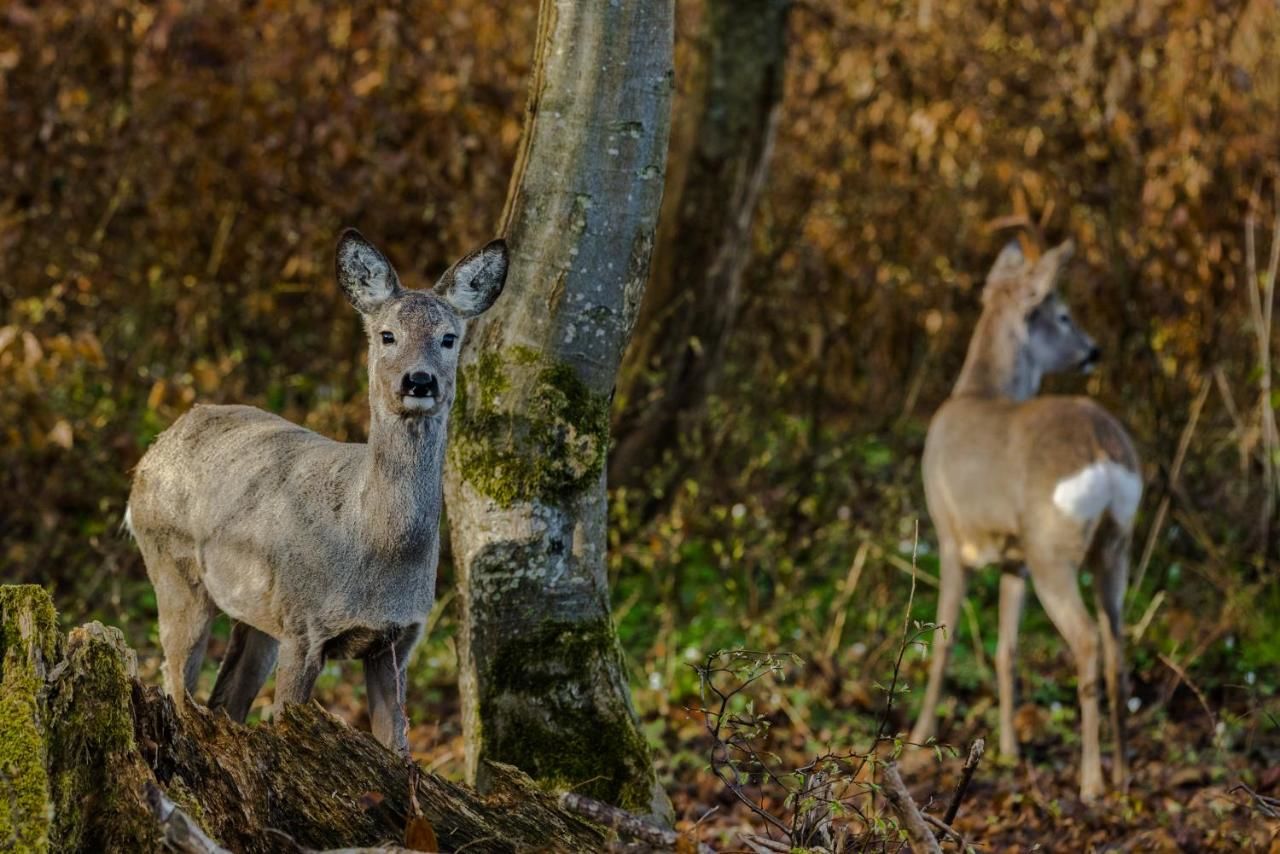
x: 400, y: 496
x: 999, y: 364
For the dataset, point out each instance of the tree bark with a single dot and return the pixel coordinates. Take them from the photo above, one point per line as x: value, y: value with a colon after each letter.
x: 720, y: 159
x: 543, y: 682
x: 81, y: 739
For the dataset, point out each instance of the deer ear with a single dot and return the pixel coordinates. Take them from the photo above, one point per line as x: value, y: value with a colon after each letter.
x: 364, y: 273
x: 1044, y: 276
x: 474, y: 283
x: 1009, y: 264
x: 1010, y: 260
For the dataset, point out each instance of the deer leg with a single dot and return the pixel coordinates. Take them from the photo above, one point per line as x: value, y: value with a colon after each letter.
x: 251, y: 655
x: 1059, y: 591
x: 185, y: 613
x: 1013, y: 590
x: 385, y: 677
x: 1109, y: 597
x: 301, y: 661
x: 951, y: 583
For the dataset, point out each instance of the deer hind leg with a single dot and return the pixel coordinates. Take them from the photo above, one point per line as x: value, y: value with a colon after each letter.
x: 1058, y: 589
x: 185, y: 613
x: 385, y: 681
x: 951, y: 584
x: 1113, y: 581
x: 251, y: 655
x: 1013, y: 591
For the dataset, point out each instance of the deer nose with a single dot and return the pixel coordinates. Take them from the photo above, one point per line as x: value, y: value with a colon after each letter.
x: 420, y: 384
x: 1094, y: 355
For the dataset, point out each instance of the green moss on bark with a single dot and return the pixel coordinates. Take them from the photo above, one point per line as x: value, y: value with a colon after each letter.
x: 94, y: 766
x: 549, y: 707
x: 29, y: 646
x: 25, y: 808
x: 547, y: 446
x: 28, y: 602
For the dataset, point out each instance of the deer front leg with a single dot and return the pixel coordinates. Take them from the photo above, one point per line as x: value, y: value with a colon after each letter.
x: 185, y: 614
x: 951, y: 584
x: 1059, y: 592
x: 301, y: 661
x: 1013, y: 590
x: 385, y: 677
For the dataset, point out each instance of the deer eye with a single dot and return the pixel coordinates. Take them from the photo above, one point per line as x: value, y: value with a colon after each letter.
x: 388, y: 338
x: 447, y: 341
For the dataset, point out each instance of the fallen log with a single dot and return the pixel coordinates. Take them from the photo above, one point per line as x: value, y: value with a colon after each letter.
x: 81, y: 738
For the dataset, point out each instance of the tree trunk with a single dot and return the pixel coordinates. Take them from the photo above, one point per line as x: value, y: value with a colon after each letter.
x: 543, y: 681
x: 80, y: 738
x: 720, y: 159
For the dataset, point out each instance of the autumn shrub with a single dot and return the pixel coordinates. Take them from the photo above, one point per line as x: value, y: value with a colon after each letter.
x: 174, y: 177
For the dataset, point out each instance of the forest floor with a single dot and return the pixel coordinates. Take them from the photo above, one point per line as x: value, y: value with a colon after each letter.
x: 1188, y: 765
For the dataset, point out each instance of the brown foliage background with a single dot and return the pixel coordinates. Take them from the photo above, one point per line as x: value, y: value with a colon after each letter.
x: 173, y: 176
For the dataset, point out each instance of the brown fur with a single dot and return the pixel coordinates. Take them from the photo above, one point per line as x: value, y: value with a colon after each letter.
x: 994, y: 462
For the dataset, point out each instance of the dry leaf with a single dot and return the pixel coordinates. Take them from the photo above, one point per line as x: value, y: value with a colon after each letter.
x: 61, y: 435
x: 419, y: 835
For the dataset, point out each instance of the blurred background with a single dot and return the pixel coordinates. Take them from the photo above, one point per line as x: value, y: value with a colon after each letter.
x: 173, y: 176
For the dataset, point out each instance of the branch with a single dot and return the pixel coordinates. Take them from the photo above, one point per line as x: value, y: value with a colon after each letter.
x: 900, y: 799
x: 624, y: 822
x: 971, y: 764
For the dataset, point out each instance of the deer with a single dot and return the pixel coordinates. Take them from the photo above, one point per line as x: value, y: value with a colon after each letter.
x: 1039, y: 484
x: 316, y: 549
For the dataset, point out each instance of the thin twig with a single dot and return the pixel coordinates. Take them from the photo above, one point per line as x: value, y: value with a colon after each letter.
x: 898, y: 563
x: 966, y: 774
x: 945, y: 830
x: 764, y: 845
x: 1184, y: 442
x: 1260, y: 310
x: 1141, y: 628
x: 841, y: 606
x: 1186, y: 680
x: 1270, y: 807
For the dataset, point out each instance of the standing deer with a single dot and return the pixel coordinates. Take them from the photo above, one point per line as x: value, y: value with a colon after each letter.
x: 317, y: 549
x: 1051, y: 481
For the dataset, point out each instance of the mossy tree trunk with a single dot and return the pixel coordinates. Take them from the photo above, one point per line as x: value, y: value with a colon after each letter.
x: 723, y: 137
x: 80, y: 738
x: 543, y: 682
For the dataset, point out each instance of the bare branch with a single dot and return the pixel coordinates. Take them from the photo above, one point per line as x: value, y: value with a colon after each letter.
x: 976, y: 750
x: 900, y: 799
x: 624, y: 822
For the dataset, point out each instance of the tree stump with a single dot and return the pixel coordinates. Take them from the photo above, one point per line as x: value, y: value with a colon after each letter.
x: 80, y: 738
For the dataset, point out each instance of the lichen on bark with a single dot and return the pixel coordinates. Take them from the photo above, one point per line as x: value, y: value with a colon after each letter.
x: 526, y: 428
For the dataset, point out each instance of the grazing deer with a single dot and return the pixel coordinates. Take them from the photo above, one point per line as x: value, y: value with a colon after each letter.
x: 317, y: 549
x: 1050, y: 481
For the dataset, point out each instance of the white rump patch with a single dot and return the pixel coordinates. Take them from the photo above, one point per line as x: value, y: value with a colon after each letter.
x: 1100, y: 486
x: 126, y: 524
